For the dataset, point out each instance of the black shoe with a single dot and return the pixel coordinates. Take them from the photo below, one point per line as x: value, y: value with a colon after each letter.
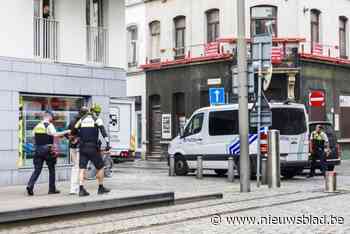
x: 30, y: 191
x: 54, y: 191
x: 309, y: 176
x: 102, y: 190
x: 83, y: 192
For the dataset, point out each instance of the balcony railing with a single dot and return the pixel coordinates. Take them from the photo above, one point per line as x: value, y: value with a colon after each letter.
x: 46, y: 38
x: 97, y: 45
x: 323, y: 52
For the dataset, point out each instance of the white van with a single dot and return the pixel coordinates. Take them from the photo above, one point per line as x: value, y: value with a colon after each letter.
x: 212, y: 130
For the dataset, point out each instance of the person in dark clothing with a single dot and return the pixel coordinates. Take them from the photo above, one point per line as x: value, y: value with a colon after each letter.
x: 44, y: 133
x: 319, y: 148
x: 89, y: 127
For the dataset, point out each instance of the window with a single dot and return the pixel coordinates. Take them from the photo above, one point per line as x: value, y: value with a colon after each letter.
x: 223, y: 123
x: 315, y: 28
x: 30, y: 113
x: 155, y: 41
x: 342, y: 36
x: 264, y: 20
x: 94, y: 13
x: 195, y: 125
x: 44, y: 9
x: 213, y: 25
x: 132, y: 40
x: 45, y: 30
x: 180, y: 35
x: 97, y: 35
x: 289, y: 121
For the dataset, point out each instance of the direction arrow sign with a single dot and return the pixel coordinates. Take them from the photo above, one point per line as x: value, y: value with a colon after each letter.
x: 316, y: 99
x: 216, y: 96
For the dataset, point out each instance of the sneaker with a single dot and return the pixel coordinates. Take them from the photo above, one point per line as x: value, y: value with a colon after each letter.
x: 30, y: 191
x: 54, y: 191
x: 102, y: 190
x: 83, y: 192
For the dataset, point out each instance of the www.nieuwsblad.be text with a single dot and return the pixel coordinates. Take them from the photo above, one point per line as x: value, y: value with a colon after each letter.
x: 304, y: 219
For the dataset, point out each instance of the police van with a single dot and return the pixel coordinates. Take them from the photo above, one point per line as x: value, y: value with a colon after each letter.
x: 213, y: 133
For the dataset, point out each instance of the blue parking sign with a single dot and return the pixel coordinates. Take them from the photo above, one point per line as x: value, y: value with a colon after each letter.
x: 216, y: 96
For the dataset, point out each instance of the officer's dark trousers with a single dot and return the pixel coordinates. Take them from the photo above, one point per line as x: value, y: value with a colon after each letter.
x: 319, y: 154
x: 38, y: 160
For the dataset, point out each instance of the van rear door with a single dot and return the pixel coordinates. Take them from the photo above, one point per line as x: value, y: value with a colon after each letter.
x: 291, y: 122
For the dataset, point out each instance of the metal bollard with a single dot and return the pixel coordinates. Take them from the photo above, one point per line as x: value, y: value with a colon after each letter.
x: 264, y: 171
x: 199, y: 167
x: 331, y: 182
x: 273, y: 159
x: 231, y: 171
x: 171, y: 165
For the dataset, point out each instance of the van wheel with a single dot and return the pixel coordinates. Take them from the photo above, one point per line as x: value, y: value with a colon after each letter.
x: 220, y: 172
x: 181, y: 167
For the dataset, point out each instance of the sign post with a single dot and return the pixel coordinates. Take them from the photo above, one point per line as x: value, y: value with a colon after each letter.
x: 262, y: 45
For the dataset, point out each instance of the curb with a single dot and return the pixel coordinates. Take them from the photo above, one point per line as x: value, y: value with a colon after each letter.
x: 83, y: 207
x: 198, y: 198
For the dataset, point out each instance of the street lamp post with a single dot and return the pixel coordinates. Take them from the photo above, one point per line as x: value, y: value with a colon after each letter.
x: 243, y: 99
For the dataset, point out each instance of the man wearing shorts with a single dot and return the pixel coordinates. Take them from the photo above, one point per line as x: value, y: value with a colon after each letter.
x: 89, y: 127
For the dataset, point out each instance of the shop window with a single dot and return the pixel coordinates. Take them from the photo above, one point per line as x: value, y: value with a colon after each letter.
x: 264, y: 20
x: 32, y: 108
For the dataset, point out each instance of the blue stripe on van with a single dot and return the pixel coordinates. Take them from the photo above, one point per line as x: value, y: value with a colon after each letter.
x: 234, y: 147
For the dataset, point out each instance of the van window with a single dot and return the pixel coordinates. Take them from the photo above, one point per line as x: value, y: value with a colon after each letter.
x: 223, y: 123
x: 289, y: 121
x: 195, y: 125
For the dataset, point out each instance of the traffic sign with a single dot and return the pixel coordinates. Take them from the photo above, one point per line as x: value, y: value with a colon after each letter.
x: 216, y: 96
x: 316, y: 99
x: 266, y: 114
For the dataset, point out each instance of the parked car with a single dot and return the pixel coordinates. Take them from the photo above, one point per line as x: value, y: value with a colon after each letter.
x: 334, y: 158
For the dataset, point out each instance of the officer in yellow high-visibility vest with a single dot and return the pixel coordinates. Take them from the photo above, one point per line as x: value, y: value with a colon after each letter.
x: 319, y: 149
x: 89, y: 127
x: 44, y: 133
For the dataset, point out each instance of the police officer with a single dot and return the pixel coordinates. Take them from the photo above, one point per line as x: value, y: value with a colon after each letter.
x: 319, y: 142
x: 74, y: 151
x: 89, y: 127
x: 44, y: 133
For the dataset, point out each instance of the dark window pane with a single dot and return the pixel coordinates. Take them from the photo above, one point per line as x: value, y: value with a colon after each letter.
x: 223, y: 123
x: 289, y: 121
x: 195, y: 125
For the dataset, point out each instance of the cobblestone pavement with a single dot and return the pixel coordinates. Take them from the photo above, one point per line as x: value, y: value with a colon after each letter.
x: 295, y: 198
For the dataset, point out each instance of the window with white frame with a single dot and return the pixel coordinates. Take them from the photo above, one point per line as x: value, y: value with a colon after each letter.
x: 155, y: 41
x: 97, y: 34
x: 45, y: 30
x: 213, y: 25
x: 342, y: 37
x: 180, y: 35
x: 133, y: 46
x: 264, y: 20
x: 315, y: 28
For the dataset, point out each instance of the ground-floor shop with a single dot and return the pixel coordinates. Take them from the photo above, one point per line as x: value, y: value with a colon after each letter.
x: 28, y: 89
